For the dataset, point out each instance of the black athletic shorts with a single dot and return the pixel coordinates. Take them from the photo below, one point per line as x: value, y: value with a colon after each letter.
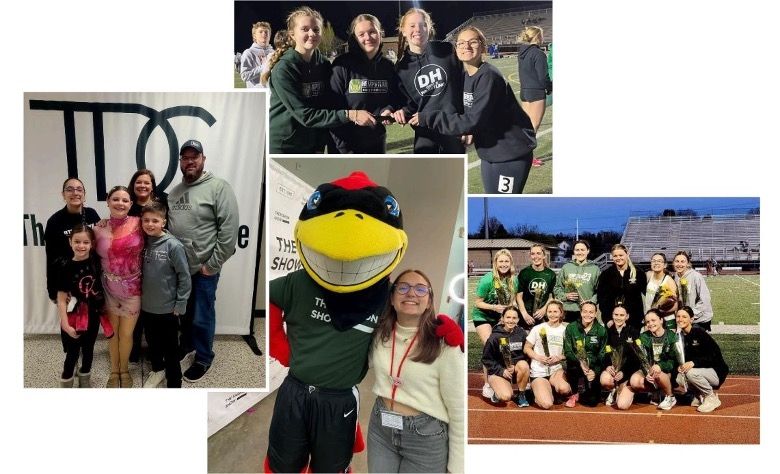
x: 311, y: 422
x: 531, y: 95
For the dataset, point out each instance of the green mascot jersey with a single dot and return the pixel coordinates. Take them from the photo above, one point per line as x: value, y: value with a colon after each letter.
x: 341, y: 356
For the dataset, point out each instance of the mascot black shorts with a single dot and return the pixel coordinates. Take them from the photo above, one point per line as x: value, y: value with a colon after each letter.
x: 311, y: 421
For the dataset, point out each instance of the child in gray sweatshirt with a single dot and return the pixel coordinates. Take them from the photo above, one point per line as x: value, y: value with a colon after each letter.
x: 166, y: 287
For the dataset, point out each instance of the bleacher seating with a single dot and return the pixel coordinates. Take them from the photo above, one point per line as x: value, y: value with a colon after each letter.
x: 503, y: 28
x: 726, y: 238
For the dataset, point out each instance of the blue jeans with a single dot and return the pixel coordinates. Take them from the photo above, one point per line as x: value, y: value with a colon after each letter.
x: 199, y: 322
x: 422, y: 446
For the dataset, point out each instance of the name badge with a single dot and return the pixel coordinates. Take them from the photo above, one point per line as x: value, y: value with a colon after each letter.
x: 392, y: 420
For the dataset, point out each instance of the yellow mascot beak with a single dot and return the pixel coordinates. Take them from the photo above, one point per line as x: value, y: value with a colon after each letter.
x: 348, y: 250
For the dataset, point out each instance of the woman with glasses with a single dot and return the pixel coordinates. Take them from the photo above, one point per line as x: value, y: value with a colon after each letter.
x: 661, y: 291
x: 417, y: 422
x: 58, y: 229
x: 503, y: 133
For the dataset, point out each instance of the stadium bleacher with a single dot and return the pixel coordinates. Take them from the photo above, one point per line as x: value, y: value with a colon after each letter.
x: 503, y: 27
x: 725, y: 238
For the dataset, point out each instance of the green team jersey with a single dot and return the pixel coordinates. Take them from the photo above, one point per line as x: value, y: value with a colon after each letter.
x: 319, y: 354
x: 594, y: 341
x: 486, y: 290
x: 530, y: 281
x: 661, y: 350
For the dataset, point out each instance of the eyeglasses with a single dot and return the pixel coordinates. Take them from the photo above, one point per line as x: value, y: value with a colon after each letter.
x: 419, y: 290
x: 184, y: 159
x: 71, y: 189
x: 657, y: 260
x: 472, y: 43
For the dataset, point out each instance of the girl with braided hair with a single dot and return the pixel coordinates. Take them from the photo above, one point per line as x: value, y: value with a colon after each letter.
x: 298, y: 76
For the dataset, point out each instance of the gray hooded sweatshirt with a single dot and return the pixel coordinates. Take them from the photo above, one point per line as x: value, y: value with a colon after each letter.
x: 166, y: 282
x: 203, y: 215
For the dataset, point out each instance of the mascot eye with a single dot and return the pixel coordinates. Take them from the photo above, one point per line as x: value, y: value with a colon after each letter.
x: 392, y: 206
x: 314, y: 201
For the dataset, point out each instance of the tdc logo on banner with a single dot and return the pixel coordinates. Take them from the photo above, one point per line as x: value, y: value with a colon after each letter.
x: 156, y: 119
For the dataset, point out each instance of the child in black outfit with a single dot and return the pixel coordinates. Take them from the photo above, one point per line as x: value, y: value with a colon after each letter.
x: 80, y: 305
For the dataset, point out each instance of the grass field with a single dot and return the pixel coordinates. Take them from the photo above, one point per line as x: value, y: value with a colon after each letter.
x: 734, y: 298
x: 401, y: 139
x: 741, y: 352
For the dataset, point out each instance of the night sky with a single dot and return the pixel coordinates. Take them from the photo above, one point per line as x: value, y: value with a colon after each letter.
x: 446, y: 14
x: 554, y: 215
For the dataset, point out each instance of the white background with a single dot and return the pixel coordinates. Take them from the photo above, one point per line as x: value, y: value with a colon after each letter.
x: 663, y: 98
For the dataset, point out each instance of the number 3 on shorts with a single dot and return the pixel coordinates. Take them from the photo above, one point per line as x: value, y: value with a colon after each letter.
x: 505, y: 183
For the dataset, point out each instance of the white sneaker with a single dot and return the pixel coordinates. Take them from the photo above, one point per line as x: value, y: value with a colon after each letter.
x: 709, y: 404
x: 610, y: 398
x: 667, y: 403
x: 154, y: 379
x: 487, y: 391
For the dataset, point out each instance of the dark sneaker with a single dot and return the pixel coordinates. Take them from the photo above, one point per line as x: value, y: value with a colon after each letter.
x: 521, y: 401
x: 195, y: 372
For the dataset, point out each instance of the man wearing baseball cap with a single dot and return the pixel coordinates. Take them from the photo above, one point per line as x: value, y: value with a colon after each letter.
x: 204, y: 216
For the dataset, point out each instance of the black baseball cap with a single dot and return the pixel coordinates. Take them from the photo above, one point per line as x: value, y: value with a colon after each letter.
x: 195, y: 144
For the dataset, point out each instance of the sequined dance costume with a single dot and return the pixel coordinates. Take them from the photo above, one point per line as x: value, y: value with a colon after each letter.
x: 120, y: 243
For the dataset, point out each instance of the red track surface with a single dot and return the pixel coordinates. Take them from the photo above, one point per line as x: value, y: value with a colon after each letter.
x: 736, y: 421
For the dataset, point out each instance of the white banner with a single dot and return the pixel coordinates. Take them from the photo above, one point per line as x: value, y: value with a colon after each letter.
x: 103, y: 138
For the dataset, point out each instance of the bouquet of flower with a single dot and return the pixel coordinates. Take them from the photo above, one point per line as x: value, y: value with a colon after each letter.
x: 538, y: 292
x: 641, y: 354
x: 616, y: 358
x: 506, y: 353
x: 571, y: 285
x: 503, y: 295
x: 679, y: 346
x: 684, y: 291
x: 545, y: 346
x: 662, y: 293
x: 582, y: 357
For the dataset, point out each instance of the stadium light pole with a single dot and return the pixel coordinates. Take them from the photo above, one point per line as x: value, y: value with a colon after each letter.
x: 486, y: 218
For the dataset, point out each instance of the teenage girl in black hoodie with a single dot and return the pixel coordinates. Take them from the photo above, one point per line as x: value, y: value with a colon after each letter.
x: 535, y: 83
x: 363, y: 79
x: 431, y: 79
x: 503, y: 134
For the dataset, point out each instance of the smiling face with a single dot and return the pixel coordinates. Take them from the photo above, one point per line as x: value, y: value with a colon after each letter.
x: 587, y: 314
x: 415, y: 30
x: 653, y: 324
x: 81, y: 243
x: 580, y: 252
x: 469, y: 47
x: 680, y: 264
x: 619, y: 315
x: 306, y: 34
x: 510, y: 320
x: 368, y: 37
x: 142, y: 187
x: 411, y: 304
x: 684, y: 321
x: 657, y: 263
x: 503, y: 264
x: 620, y: 257
x: 73, y: 194
x: 119, y: 203
x: 554, y: 313
x: 537, y: 256
x: 153, y: 223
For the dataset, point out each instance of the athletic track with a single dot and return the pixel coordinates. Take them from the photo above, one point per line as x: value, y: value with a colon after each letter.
x: 736, y: 421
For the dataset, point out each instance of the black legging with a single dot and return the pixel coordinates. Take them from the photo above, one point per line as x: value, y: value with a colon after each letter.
x: 84, y: 345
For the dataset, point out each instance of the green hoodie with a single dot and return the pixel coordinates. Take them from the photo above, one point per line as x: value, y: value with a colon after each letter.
x: 203, y: 215
x: 299, y: 111
x: 584, y: 276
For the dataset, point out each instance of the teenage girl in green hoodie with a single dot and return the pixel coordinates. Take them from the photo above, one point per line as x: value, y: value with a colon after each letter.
x: 576, y: 282
x: 299, y: 76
